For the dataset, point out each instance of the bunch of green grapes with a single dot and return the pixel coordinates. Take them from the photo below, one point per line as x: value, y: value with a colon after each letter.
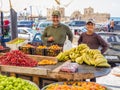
x: 12, y: 83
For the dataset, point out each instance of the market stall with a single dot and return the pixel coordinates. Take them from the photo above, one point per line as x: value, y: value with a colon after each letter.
x: 84, y: 72
x: 57, y: 68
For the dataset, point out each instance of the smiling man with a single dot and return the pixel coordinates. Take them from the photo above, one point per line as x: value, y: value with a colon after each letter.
x: 93, y: 40
x: 56, y: 34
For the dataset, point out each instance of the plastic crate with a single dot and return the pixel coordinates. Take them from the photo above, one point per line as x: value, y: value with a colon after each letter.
x: 52, y: 52
x: 33, y: 50
x: 26, y: 50
x: 39, y: 51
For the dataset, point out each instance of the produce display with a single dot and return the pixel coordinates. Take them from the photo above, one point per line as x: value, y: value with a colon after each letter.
x: 40, y: 50
x: 26, y: 48
x: 17, y: 58
x: 76, y: 86
x: 53, y: 50
x: 16, y: 41
x: 12, y: 83
x: 42, y: 47
x: 54, y: 47
x: 47, y: 62
x: 83, y: 54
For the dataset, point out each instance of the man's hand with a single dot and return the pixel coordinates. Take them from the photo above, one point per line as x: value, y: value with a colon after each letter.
x: 51, y: 39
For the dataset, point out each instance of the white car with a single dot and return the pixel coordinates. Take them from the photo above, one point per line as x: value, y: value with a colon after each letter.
x: 42, y: 25
x: 26, y: 33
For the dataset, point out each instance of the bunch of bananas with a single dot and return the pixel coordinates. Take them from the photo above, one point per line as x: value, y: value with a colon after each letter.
x: 83, y: 54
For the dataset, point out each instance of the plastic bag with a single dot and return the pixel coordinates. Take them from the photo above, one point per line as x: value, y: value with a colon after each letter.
x: 70, y: 68
x: 67, y: 45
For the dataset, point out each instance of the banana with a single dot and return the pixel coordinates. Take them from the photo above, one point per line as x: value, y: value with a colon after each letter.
x: 92, y: 61
x: 86, y: 59
x: 66, y: 58
x: 100, y: 60
x: 83, y: 53
x: 84, y: 50
x: 98, y: 56
x: 61, y: 57
x: 79, y: 60
x: 103, y: 65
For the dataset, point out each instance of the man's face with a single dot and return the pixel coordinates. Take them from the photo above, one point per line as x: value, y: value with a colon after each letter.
x: 90, y: 27
x: 56, y: 20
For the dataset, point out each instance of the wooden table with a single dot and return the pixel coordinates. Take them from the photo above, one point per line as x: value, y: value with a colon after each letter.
x: 84, y: 71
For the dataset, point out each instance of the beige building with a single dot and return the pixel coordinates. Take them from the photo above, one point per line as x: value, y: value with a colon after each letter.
x: 60, y: 9
x: 90, y: 14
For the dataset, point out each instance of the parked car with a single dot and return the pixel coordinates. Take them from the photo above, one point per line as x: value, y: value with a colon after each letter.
x: 42, y: 25
x: 37, y: 40
x: 78, y: 30
x: 113, y: 52
x: 113, y: 40
x: 25, y: 23
x: 26, y: 33
x: 77, y: 23
x: 117, y: 25
x: 101, y: 27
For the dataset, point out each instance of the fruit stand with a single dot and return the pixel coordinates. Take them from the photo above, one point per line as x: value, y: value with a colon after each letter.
x: 17, y: 63
x: 51, y: 71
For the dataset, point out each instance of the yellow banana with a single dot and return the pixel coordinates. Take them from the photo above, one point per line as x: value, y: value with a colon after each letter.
x: 79, y: 60
x: 103, y: 65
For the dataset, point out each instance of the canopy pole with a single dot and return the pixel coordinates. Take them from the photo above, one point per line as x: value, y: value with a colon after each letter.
x: 13, y: 15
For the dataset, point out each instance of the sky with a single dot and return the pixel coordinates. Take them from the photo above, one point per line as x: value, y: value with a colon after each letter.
x: 39, y: 6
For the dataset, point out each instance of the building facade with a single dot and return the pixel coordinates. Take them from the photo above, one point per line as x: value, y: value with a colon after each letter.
x: 90, y: 14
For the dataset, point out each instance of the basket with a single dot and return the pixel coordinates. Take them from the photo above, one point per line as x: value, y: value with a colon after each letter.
x: 39, y: 51
x: 33, y: 50
x: 26, y: 50
x: 61, y: 83
x: 52, y: 52
x: 32, y: 84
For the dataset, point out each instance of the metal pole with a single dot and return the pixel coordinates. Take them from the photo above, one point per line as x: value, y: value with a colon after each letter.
x: 2, y: 24
x: 13, y: 15
x: 31, y: 11
x: 10, y: 3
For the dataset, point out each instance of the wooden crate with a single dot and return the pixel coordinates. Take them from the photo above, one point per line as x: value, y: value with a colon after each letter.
x: 24, y: 70
x: 13, y: 46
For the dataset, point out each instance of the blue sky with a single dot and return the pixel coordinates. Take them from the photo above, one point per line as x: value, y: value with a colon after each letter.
x: 107, y: 6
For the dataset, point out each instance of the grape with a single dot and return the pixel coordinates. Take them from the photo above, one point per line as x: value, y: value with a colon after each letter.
x: 12, y: 83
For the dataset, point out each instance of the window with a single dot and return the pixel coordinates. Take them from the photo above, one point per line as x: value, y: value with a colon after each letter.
x: 21, y: 31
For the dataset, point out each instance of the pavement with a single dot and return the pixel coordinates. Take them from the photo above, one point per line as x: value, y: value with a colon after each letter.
x: 111, y: 81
